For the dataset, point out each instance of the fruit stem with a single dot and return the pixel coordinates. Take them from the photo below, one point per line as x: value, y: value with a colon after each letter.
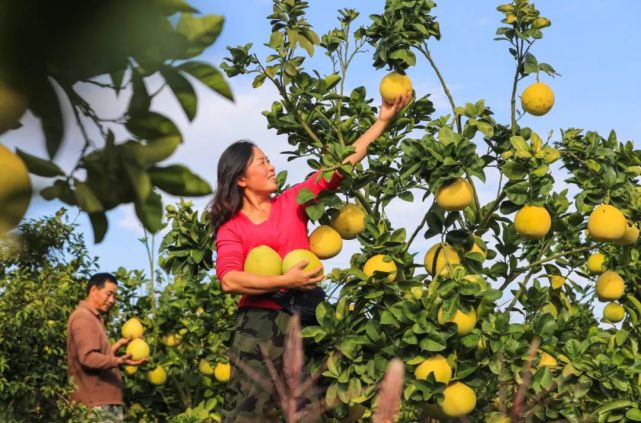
x: 363, y: 202
x: 426, y: 52
x: 416, y: 231
x: 152, y: 298
x: 477, y: 203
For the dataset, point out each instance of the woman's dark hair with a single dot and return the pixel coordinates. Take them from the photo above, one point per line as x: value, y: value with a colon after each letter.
x: 228, y: 198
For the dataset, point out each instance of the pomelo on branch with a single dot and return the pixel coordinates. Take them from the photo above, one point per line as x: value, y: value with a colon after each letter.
x: 222, y: 372
x: 438, y: 257
x: 13, y: 104
x: 15, y: 189
x: 630, y: 235
x: 296, y: 256
x: 130, y: 370
x: 613, y: 312
x: 349, y: 222
x: 171, y: 340
x: 138, y: 349
x: 537, y: 99
x: 379, y: 263
x: 157, y: 376
x: 325, y: 242
x: 596, y: 263
x: 437, y: 365
x: 132, y: 329
x: 205, y: 368
x: 264, y: 261
x: 459, y: 400
x: 556, y: 281
x: 455, y: 196
x: 609, y: 286
x: 393, y: 85
x: 465, y: 322
x: 532, y: 222
x: 606, y: 223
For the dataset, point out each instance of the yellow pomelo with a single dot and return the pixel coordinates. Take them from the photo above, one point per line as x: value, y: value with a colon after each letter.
x: 465, y: 322
x: 437, y: 258
x: 13, y: 104
x: 551, y: 309
x: 15, y: 189
x: 459, y: 400
x: 437, y: 365
x: 222, y: 372
x: 132, y: 329
x: 476, y: 248
x: 295, y: 256
x: 349, y: 222
x: 455, y: 196
x: 130, y: 370
x: 171, y: 340
x: 596, y: 263
x: 205, y: 368
x: 537, y: 99
x: 378, y: 263
x: 613, y: 312
x: 533, y: 222
x: 138, y: 349
x: 325, y: 242
x: 547, y: 360
x: 263, y: 260
x: 610, y: 286
x: 606, y: 223
x: 630, y: 236
x: 557, y: 281
x: 394, y: 85
x: 157, y: 376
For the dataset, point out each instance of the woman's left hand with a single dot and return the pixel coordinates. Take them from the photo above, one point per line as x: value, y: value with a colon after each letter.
x: 388, y: 111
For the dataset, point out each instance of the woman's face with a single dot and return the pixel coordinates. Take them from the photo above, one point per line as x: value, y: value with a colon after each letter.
x: 260, y: 176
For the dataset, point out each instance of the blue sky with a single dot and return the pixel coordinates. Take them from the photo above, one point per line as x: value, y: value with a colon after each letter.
x: 592, y: 44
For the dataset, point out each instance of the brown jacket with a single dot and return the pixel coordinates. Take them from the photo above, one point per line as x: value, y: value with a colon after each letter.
x: 91, y: 363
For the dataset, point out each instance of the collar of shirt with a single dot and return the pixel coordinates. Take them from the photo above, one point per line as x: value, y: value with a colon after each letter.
x: 91, y: 308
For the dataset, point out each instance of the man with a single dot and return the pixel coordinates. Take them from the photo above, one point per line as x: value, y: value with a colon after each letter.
x: 92, y: 361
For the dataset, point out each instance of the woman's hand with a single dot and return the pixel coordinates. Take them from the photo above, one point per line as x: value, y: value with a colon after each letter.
x: 388, y: 111
x: 298, y: 278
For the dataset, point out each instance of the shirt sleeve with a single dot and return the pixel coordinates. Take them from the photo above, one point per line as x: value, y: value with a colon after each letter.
x: 229, y: 248
x: 87, y: 344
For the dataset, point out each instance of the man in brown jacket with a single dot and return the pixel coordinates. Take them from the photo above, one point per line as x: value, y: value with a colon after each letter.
x: 92, y: 361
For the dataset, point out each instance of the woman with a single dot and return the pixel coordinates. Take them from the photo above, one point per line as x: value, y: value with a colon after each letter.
x: 244, y: 215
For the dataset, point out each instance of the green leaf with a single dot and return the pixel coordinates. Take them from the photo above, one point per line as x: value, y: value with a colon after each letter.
x: 208, y: 75
x: 200, y: 31
x: 159, y: 149
x: 151, y: 125
x: 86, y: 198
x: 150, y: 212
x: 46, y: 106
x: 140, y: 181
x: 633, y: 414
x: 183, y: 91
x: 39, y: 166
x: 140, y: 100
x: 179, y: 180
x: 519, y: 143
x: 100, y: 224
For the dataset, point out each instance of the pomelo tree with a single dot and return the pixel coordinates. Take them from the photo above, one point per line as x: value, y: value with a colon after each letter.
x: 505, y: 297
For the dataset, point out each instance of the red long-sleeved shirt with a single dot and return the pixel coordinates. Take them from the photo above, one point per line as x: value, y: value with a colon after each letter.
x: 284, y: 230
x: 91, y: 362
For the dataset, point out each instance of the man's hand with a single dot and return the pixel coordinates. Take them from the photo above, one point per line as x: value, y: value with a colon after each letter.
x: 119, y: 344
x: 125, y: 359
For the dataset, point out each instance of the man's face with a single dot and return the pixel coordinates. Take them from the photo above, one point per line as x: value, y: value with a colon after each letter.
x: 103, y: 298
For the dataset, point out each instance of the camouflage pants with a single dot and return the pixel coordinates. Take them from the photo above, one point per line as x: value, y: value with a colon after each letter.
x: 246, y: 400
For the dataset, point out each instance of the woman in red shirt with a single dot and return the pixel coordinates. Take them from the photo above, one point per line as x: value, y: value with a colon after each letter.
x: 244, y: 215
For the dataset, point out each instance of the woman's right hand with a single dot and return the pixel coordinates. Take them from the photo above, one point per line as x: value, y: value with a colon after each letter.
x: 298, y: 278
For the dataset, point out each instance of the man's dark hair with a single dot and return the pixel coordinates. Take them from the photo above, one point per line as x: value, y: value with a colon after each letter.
x: 100, y: 279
